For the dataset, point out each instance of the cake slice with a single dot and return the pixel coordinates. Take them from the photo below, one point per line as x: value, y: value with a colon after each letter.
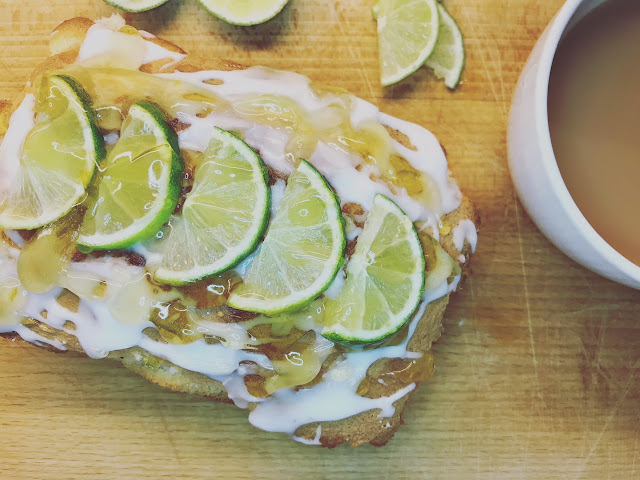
x: 281, y: 368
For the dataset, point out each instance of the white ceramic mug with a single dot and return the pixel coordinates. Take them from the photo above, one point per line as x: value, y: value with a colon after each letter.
x: 533, y: 166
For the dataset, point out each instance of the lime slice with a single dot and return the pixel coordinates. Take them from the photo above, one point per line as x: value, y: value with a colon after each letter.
x: 407, y: 34
x: 139, y: 186
x: 301, y: 252
x: 223, y: 216
x: 136, y: 5
x: 447, y: 59
x: 58, y: 158
x: 385, y: 279
x: 244, y: 12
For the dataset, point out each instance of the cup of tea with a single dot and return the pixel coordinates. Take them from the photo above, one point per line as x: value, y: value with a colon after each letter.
x: 574, y: 136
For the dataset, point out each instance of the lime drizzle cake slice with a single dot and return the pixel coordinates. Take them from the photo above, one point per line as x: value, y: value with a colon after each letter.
x: 193, y: 338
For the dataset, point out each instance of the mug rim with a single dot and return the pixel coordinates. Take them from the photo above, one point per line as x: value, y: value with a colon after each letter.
x: 549, y: 162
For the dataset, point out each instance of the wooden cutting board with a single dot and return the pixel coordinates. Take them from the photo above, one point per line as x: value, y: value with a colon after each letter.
x: 538, y: 369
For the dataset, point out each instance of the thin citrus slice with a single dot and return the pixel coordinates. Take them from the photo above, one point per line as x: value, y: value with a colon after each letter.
x: 448, y: 59
x: 301, y: 252
x: 244, y: 12
x: 407, y: 35
x: 136, y: 5
x: 385, y: 279
x: 58, y: 157
x: 223, y: 216
x: 140, y: 184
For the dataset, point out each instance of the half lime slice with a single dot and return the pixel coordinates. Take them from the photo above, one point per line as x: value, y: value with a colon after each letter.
x: 301, y: 252
x: 385, y: 279
x: 244, y: 12
x: 223, y: 217
x: 58, y: 158
x: 448, y: 59
x: 139, y: 186
x: 407, y: 35
x: 136, y: 5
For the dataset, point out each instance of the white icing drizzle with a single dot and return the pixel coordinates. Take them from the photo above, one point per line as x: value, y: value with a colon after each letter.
x: 237, y: 390
x: 111, y: 138
x: 146, y: 35
x: 31, y: 336
x: 270, y: 142
x: 443, y: 289
x: 354, y: 186
x: 155, y: 52
x: 105, y: 45
x: 101, y: 328
x: 21, y: 122
x: 198, y: 135
x: 353, y: 233
x: 337, y: 284
x: 15, y: 237
x: 277, y: 192
x: 213, y: 360
x: 314, y: 441
x: 428, y: 157
x: 465, y: 231
x: 329, y: 401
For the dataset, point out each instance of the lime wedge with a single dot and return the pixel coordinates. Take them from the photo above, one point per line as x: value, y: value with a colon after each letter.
x: 244, y: 12
x: 58, y: 158
x: 223, y: 216
x: 136, y: 5
x: 385, y: 279
x: 301, y: 252
x: 407, y: 35
x: 447, y: 59
x: 140, y: 184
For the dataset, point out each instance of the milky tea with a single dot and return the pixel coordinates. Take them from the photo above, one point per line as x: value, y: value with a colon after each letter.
x: 594, y: 120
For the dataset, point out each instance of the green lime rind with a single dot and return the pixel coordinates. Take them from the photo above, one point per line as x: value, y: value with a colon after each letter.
x: 157, y: 212
x: 219, y: 9
x: 348, y: 340
x: 169, y: 134
x: 448, y: 58
x: 49, y: 185
x: 96, y: 134
x: 136, y: 6
x: 203, y: 230
x: 374, y: 280
x: 300, y: 257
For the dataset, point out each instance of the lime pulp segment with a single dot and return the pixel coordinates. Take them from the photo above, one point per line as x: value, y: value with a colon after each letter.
x: 244, y: 12
x: 385, y: 279
x: 58, y: 157
x: 407, y: 35
x: 448, y: 58
x: 223, y: 216
x: 301, y: 252
x: 140, y: 184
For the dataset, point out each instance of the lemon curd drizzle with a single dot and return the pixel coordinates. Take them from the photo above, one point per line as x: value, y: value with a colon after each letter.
x: 282, y: 364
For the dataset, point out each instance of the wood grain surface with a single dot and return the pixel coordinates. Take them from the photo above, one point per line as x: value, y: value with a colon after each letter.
x: 538, y: 370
